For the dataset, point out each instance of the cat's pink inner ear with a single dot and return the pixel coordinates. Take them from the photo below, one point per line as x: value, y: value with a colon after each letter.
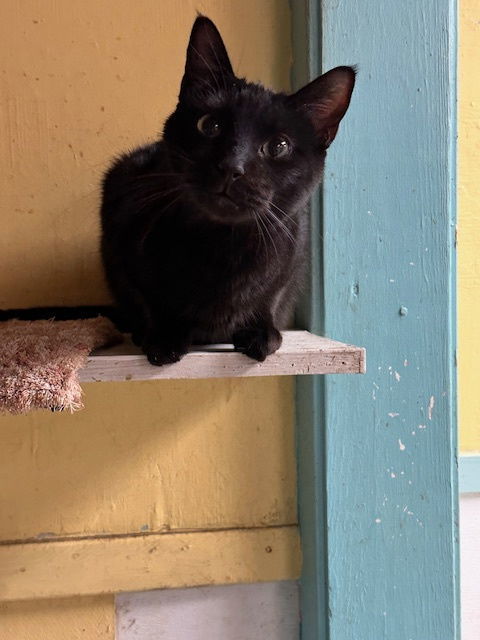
x: 325, y: 101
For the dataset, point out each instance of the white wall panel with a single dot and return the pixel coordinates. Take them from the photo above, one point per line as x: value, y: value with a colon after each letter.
x: 470, y: 565
x: 265, y: 611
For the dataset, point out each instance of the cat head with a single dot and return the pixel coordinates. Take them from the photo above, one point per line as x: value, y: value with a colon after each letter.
x: 244, y: 148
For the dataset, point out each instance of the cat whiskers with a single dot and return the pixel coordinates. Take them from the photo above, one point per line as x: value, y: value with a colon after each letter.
x: 275, y: 220
x: 295, y: 222
x: 179, y: 154
x: 161, y: 182
x: 160, y: 195
x: 152, y: 221
x: 261, y: 235
x: 172, y: 174
x: 264, y: 224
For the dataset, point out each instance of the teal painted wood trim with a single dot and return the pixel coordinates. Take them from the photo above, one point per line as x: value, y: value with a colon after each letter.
x: 469, y: 474
x: 310, y: 393
x: 389, y: 283
x: 377, y: 453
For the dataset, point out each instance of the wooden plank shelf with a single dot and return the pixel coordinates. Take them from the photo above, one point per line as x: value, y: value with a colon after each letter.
x: 301, y: 353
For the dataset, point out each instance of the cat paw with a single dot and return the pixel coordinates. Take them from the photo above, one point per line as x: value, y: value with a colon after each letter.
x: 257, y: 343
x: 160, y: 354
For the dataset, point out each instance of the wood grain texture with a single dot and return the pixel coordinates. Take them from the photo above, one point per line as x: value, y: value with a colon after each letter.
x: 389, y: 222
x: 310, y: 407
x: 301, y: 353
x: 157, y: 561
x: 377, y: 475
x: 86, y: 618
x: 268, y: 611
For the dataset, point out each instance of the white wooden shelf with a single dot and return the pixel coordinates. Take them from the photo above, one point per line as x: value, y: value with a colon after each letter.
x: 301, y: 353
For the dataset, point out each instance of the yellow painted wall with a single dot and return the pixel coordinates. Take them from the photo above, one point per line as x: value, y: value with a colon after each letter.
x: 151, y: 456
x: 80, y: 82
x: 85, y: 618
x: 469, y: 226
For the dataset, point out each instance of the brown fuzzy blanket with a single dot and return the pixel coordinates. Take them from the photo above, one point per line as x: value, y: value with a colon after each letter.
x: 39, y: 361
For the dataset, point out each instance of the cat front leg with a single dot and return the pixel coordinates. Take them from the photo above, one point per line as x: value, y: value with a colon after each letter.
x: 258, y: 341
x: 165, y: 343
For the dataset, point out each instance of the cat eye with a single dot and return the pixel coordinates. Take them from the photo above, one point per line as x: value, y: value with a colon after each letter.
x: 277, y: 147
x: 209, y: 126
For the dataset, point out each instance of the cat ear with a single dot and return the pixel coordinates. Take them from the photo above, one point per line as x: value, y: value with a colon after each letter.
x: 325, y: 101
x: 207, y: 58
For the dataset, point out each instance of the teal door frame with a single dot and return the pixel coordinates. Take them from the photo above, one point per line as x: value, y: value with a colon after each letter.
x: 377, y: 453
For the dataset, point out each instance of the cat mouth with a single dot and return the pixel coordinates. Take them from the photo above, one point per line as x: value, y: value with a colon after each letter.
x: 223, y: 207
x: 224, y: 198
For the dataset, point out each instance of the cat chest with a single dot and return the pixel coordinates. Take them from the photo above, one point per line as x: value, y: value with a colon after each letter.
x: 219, y: 266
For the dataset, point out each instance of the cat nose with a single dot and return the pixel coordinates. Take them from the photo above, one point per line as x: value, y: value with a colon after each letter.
x: 232, y: 169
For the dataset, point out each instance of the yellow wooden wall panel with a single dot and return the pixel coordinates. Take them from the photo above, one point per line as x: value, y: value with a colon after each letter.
x: 80, y: 82
x: 151, y: 456
x: 87, y: 618
x: 158, y: 561
x: 469, y: 226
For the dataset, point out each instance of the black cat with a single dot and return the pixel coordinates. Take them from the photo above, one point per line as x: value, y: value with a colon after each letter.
x: 205, y: 232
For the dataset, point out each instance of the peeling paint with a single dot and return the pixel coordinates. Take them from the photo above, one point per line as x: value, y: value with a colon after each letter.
x: 45, y: 535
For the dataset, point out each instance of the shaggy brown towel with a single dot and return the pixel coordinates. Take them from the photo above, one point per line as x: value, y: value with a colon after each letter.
x: 39, y: 361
